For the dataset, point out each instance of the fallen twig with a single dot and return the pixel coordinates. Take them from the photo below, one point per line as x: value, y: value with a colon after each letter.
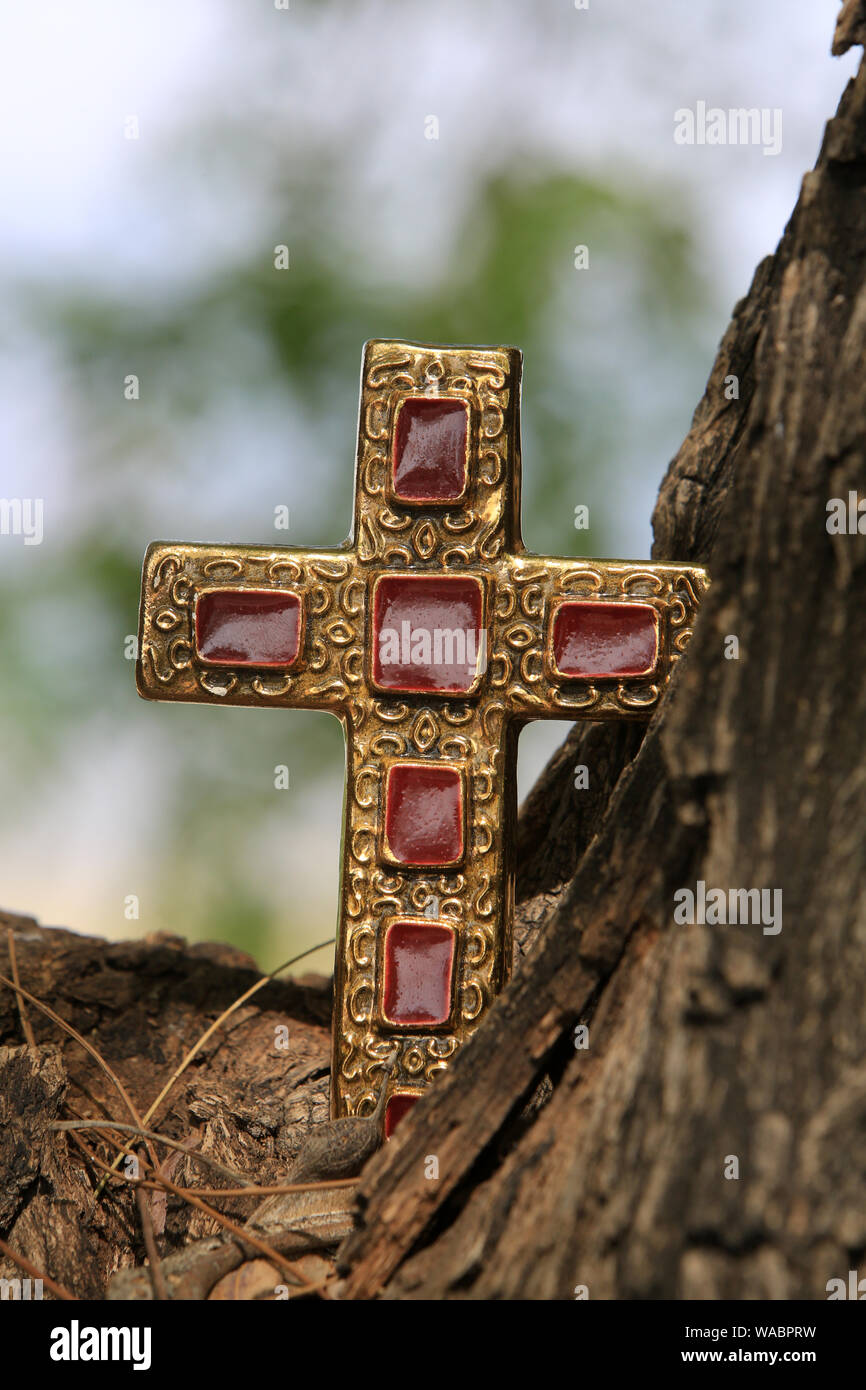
x: 160, y: 1289
x: 57, y: 1289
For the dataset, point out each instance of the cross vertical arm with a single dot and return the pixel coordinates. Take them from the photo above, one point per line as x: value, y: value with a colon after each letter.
x: 453, y: 916
x: 425, y: 535
x: 395, y: 524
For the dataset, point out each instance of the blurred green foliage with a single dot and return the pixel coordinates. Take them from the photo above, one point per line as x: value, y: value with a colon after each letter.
x: 256, y: 334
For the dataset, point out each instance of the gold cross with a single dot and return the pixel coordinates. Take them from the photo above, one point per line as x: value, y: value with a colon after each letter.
x: 434, y: 636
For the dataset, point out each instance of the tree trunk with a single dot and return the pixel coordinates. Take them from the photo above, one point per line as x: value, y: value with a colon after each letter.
x: 707, y: 1142
x: 712, y: 1049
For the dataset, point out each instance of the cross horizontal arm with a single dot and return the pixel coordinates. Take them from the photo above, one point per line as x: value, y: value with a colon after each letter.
x: 249, y: 625
x: 588, y: 639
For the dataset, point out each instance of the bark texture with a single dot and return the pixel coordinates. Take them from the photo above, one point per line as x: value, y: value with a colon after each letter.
x: 606, y: 1168
x: 244, y: 1101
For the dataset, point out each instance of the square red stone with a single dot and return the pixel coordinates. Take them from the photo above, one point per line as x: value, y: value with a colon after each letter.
x: 418, y: 973
x: 594, y: 639
x: 428, y: 633
x: 248, y: 627
x: 397, y: 1106
x: 431, y: 449
x: 424, y: 815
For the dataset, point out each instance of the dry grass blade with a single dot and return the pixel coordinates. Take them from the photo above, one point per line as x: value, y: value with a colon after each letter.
x: 272, y: 1190
x: 265, y: 1190
x: 122, y: 1128
x: 209, y: 1032
x: 26, y: 1026
x: 242, y: 1234
x: 158, y: 1179
x: 89, y: 1048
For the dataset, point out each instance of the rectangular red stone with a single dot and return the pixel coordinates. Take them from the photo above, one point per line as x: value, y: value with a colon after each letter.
x: 427, y: 633
x: 248, y: 627
x: 418, y: 971
x: 430, y: 456
x: 397, y: 1106
x: 593, y: 638
x: 424, y: 814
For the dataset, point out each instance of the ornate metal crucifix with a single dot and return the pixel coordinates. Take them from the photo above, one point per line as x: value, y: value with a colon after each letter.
x: 433, y: 635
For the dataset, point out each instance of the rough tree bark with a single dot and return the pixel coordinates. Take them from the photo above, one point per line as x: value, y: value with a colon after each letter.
x: 602, y: 1166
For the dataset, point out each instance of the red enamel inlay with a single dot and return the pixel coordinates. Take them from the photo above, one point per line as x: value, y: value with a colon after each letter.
x: 248, y: 627
x: 427, y: 633
x: 419, y: 961
x: 605, y: 639
x: 424, y: 814
x: 430, y: 441
x: 396, y: 1108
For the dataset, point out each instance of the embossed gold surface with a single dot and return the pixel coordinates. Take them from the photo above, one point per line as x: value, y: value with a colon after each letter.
x: 479, y: 535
